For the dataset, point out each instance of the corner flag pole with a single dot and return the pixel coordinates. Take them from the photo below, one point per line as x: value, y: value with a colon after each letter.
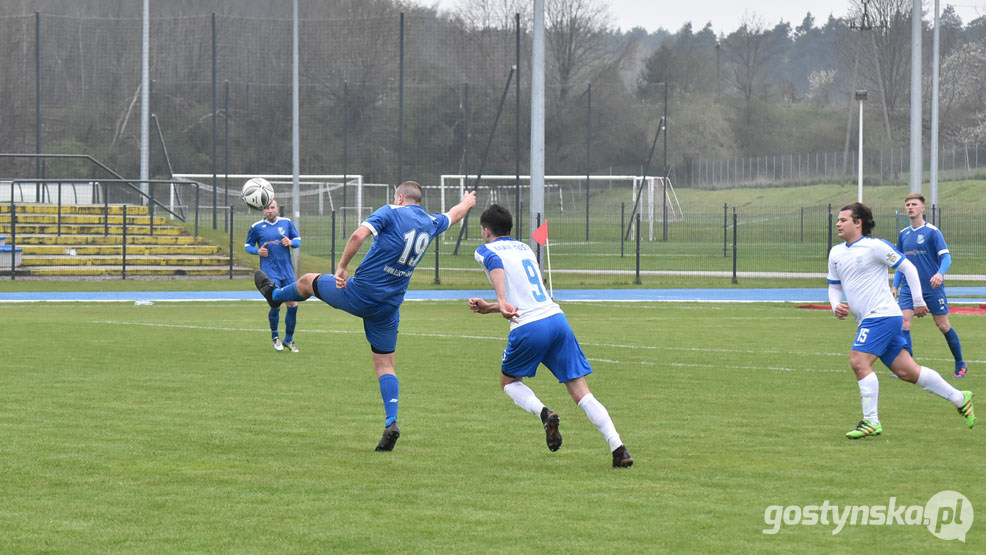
x: 540, y: 236
x: 547, y: 252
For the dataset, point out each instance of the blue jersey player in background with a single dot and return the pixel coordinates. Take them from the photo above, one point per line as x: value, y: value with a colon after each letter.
x: 402, y: 232
x: 272, y: 238
x: 924, y: 245
x: 539, y: 333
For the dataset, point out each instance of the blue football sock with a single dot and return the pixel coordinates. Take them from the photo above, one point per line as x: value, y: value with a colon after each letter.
x: 287, y: 294
x: 953, y: 343
x: 389, y: 391
x: 907, y: 339
x: 289, y: 321
x: 273, y: 315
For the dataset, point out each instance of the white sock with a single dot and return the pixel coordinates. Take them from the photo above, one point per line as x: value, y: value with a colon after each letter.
x: 600, y: 419
x: 932, y: 382
x: 524, y: 397
x: 869, y: 396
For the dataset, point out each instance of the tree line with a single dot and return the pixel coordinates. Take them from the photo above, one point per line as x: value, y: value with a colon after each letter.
x: 759, y: 89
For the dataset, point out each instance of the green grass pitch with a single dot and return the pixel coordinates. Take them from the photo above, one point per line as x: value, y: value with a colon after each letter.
x: 176, y: 428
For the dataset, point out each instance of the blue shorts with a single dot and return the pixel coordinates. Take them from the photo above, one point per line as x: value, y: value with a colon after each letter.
x: 380, y: 320
x: 934, y: 298
x: 282, y: 282
x: 549, y: 341
x: 881, y: 337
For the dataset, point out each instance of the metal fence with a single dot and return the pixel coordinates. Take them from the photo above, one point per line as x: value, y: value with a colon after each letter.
x: 959, y: 161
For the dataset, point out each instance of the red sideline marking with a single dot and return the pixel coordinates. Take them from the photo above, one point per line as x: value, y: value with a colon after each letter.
x: 981, y: 309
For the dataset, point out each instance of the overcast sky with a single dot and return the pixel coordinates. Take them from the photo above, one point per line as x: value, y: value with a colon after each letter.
x: 726, y: 15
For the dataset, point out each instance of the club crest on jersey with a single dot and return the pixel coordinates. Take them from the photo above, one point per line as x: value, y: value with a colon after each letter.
x: 920, y: 238
x: 280, y: 230
x: 859, y: 260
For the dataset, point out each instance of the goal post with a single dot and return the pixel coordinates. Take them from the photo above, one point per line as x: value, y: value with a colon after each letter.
x: 320, y: 194
x: 498, y: 187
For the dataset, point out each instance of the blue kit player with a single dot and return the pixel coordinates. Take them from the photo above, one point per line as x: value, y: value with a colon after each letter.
x: 272, y: 238
x: 858, y: 268
x: 924, y: 245
x: 539, y: 333
x: 402, y: 232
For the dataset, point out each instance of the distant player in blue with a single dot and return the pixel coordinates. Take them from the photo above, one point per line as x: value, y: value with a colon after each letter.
x: 272, y: 238
x: 402, y: 232
x: 539, y: 333
x: 924, y: 245
x: 858, y: 268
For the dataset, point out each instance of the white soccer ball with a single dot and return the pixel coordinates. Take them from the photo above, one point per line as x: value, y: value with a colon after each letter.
x: 257, y: 193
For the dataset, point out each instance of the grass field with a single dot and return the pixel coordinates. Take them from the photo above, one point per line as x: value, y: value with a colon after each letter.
x: 175, y: 427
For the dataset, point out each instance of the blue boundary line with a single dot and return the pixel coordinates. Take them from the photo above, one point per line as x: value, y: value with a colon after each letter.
x: 806, y: 295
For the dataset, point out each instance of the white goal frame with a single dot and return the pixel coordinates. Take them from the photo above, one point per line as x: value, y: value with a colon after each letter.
x: 325, y: 183
x: 653, y: 206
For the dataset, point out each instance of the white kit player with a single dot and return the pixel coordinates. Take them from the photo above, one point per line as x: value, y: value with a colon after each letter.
x: 858, y: 268
x: 539, y: 333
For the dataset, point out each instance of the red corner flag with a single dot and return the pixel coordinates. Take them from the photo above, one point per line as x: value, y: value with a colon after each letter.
x: 541, y: 234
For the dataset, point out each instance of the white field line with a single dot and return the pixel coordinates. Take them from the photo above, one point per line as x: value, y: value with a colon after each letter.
x: 502, y: 339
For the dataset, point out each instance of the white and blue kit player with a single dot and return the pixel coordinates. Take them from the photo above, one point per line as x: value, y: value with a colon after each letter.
x: 402, y: 232
x: 858, y: 268
x: 539, y: 333
x: 272, y: 239
x: 924, y: 245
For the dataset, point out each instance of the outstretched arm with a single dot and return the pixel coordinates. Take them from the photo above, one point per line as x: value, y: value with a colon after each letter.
x: 459, y: 211
x: 914, y: 282
x: 481, y: 306
x: 352, y: 247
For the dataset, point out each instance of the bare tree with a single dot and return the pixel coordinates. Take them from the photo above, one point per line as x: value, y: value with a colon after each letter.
x: 576, y: 33
x: 748, y: 53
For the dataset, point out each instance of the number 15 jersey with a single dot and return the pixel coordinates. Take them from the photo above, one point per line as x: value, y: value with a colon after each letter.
x: 524, y: 286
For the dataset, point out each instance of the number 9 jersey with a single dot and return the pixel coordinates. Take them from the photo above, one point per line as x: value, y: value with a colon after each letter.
x: 525, y: 288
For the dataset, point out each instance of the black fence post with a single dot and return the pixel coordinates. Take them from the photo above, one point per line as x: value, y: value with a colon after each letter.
x: 438, y: 244
x: 106, y: 210
x: 196, y: 209
x: 230, y: 208
x: 124, y: 268
x: 830, y: 230
x: 332, y: 248
x: 734, y: 246
x: 725, y: 227
x: 59, y: 219
x: 623, y: 225
x: 150, y: 212
x: 637, y: 279
x: 537, y: 253
x: 13, y: 235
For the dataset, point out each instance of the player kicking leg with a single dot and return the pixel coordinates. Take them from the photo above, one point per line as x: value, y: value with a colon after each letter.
x: 380, y: 323
x: 551, y: 341
x: 883, y: 336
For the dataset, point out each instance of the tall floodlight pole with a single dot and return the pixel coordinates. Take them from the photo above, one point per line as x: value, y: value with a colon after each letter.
x: 917, y: 173
x: 860, y: 96
x: 537, y: 118
x: 295, y: 140
x: 145, y: 99
x: 934, y: 118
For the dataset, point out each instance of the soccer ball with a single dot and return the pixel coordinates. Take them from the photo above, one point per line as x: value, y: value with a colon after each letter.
x: 257, y: 193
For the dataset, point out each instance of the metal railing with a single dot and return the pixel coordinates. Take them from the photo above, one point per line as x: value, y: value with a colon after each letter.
x: 101, y: 193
